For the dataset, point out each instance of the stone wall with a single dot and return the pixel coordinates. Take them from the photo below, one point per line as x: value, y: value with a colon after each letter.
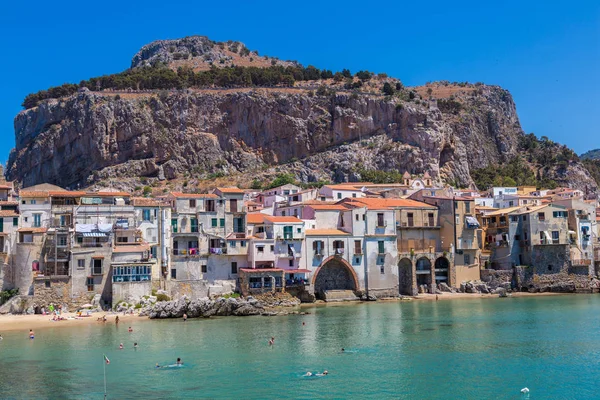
x: 55, y: 291
x: 130, y: 292
x: 465, y: 273
x: 498, y: 278
x: 197, y: 289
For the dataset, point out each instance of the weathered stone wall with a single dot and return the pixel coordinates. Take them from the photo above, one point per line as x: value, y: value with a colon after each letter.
x: 56, y: 291
x: 334, y: 276
x: 197, y: 289
x: 130, y: 292
x: 497, y: 278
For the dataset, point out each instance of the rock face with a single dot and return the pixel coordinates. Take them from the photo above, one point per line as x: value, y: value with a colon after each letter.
x: 90, y: 137
x: 203, y: 308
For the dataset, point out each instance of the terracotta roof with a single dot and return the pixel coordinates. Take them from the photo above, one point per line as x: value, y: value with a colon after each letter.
x: 338, y: 207
x: 33, y: 194
x: 146, y: 202
x: 311, y: 202
x: 527, y: 210
x: 32, y: 230
x: 8, y: 213
x: 502, y: 211
x: 65, y: 193
x: 349, y: 186
x: 277, y: 219
x: 194, y: 195
x: 5, y: 187
x: 325, y: 232
x: 230, y: 190
x: 258, y: 218
x: 131, y: 248
x: 382, y: 204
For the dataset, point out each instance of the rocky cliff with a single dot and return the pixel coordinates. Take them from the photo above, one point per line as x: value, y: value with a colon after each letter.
x: 334, y: 134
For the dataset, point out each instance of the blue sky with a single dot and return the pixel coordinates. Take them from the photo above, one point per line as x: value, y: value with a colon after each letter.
x: 546, y: 54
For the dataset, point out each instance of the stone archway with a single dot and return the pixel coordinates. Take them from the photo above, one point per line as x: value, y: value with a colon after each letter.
x: 423, y: 271
x: 334, y: 274
x: 442, y: 270
x: 405, y: 276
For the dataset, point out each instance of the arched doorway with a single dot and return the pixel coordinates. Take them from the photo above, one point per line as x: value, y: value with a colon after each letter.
x: 334, y: 274
x: 405, y: 275
x: 423, y: 271
x: 442, y: 268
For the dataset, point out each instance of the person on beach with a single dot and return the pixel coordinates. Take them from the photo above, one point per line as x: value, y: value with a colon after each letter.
x: 130, y: 329
x: 436, y: 297
x: 31, y: 334
x: 179, y: 362
x: 117, y: 320
x: 104, y: 318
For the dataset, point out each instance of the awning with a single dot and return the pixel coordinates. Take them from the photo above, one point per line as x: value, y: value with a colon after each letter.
x: 472, y: 222
x: 86, y: 228
x: 297, y: 271
x: 94, y: 234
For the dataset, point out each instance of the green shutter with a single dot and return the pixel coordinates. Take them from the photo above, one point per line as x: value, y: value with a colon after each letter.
x: 174, y: 224
x: 222, y: 222
x: 381, y: 247
x: 213, y: 222
x: 1, y: 224
x: 16, y: 221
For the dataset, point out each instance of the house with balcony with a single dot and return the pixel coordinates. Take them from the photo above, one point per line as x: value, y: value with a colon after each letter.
x: 497, y: 237
x: 342, y: 191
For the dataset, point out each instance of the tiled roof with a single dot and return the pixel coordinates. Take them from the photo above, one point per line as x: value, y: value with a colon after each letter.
x: 65, y: 193
x: 258, y: 218
x: 382, y: 204
x: 8, y: 213
x: 282, y: 219
x: 32, y: 230
x: 333, y: 207
x: 230, y: 190
x: 107, y: 194
x: 33, y: 194
x: 146, y: 202
x: 326, y: 232
x: 194, y: 195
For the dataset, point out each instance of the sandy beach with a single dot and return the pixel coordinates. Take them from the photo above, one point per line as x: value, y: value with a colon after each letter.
x: 11, y: 322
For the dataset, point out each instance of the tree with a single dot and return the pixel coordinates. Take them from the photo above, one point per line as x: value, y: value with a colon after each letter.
x: 388, y: 90
x: 364, y: 75
x: 346, y: 73
x: 282, y: 179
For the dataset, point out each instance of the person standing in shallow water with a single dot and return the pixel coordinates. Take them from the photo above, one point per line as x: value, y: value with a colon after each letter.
x: 31, y: 334
x: 184, y: 317
x: 271, y: 341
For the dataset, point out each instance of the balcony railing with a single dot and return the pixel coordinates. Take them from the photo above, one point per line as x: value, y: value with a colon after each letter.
x: 581, y: 262
x: 192, y: 251
x: 218, y: 250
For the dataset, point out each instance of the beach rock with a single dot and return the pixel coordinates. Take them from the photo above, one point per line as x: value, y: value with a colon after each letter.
x: 30, y: 310
x: 444, y: 287
x: 482, y: 288
x: 500, y: 292
x: 96, y: 300
x: 203, y: 307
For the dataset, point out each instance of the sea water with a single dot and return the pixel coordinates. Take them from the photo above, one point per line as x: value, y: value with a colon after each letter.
x: 453, y: 349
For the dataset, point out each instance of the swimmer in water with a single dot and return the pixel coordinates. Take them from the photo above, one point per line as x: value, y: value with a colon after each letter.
x: 157, y: 366
x: 130, y: 329
x: 121, y: 346
x: 271, y: 341
x: 179, y: 362
x: 135, y: 345
x: 308, y: 374
x: 31, y: 334
x: 323, y: 374
x: 184, y: 317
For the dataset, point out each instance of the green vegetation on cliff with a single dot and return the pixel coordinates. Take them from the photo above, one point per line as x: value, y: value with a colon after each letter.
x: 160, y: 77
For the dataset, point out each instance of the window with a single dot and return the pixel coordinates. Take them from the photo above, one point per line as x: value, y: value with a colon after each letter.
x: 210, y: 205
x: 382, y: 269
x: 291, y: 263
x: 288, y: 232
x: 411, y: 221
x: 514, y: 218
x: 1, y: 224
x: 222, y: 222
x: 357, y: 247
x: 194, y: 224
x: 48, y: 284
x: 97, y: 266
x: 233, y: 206
x: 318, y: 247
x: 299, y: 230
x: 542, y: 216
x: 381, y: 247
x: 16, y: 221
x: 353, y: 194
x: 517, y: 237
x: 243, y: 243
x: 234, y: 267
x: 467, y: 206
x: 192, y: 203
x: 467, y: 259
x: 173, y: 273
x: 62, y: 240
x: 430, y: 218
x: 339, y: 195
x: 260, y: 249
x: 174, y: 225
x: 32, y: 201
x: 357, y: 217
x: 122, y: 239
x: 213, y: 222
x: 322, y: 198
x: 203, y: 268
x: 37, y: 220
x: 524, y: 235
x: 363, y: 217
x: 283, y: 213
x: 232, y: 243
x: 338, y: 247
x: 81, y: 263
x: 555, y: 237
x: 90, y: 284
x: 272, y: 248
x: 559, y: 214
x: 511, y: 203
x: 146, y: 214
x: 380, y: 219
x: 524, y: 217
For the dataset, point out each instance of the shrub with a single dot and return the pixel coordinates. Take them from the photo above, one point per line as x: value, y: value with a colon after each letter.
x: 388, y: 90
x: 147, y: 191
x: 162, y: 297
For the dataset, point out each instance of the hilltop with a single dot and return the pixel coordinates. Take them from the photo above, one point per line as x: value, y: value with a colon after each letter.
x: 191, y: 111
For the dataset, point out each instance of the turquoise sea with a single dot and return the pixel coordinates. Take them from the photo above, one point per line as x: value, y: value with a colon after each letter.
x: 452, y: 349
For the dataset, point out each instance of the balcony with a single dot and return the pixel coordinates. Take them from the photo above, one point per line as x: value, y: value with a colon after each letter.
x: 218, y: 250
x: 191, y: 252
